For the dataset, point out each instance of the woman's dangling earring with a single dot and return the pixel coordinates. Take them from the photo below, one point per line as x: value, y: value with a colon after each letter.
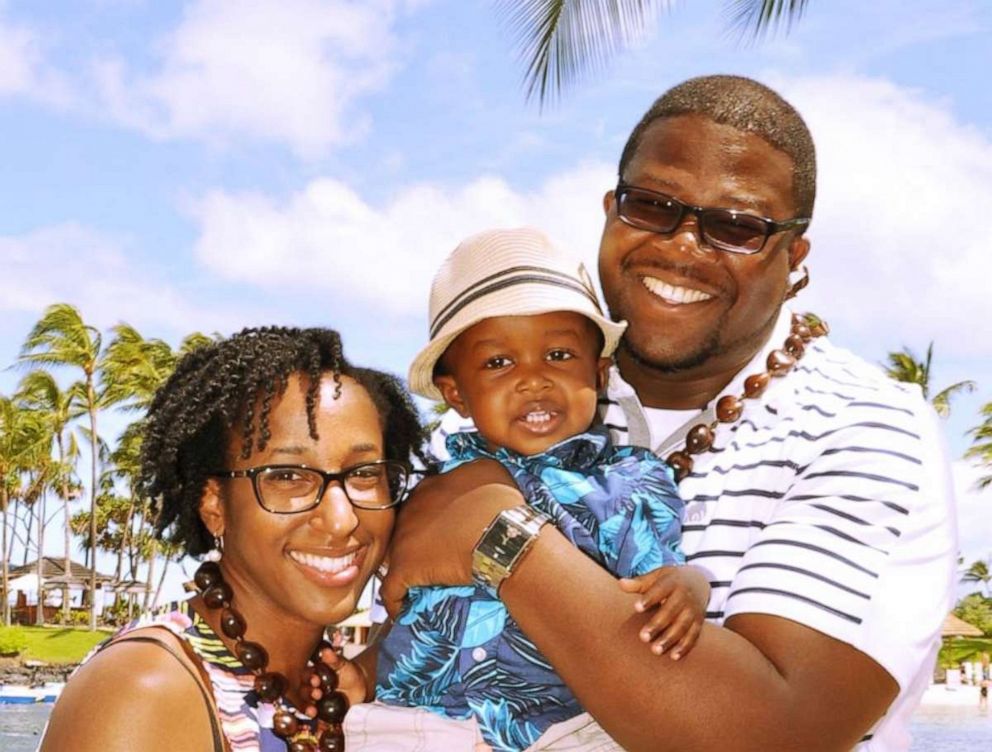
x: 798, y: 279
x: 217, y: 551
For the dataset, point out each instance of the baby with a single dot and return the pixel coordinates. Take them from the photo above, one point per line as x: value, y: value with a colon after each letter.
x: 519, y: 345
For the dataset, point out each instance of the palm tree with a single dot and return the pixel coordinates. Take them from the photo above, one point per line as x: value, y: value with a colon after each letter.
x: 132, y: 370
x: 903, y: 366
x: 22, y: 435
x: 560, y: 40
x: 979, y: 572
x: 981, y: 445
x: 40, y: 471
x: 39, y: 391
x: 61, y: 338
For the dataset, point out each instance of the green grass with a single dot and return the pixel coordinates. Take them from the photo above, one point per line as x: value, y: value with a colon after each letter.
x: 60, y: 644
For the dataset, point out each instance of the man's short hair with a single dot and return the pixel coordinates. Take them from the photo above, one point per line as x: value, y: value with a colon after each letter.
x: 748, y: 106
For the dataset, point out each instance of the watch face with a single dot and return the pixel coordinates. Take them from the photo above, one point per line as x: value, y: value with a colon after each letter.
x: 503, y: 543
x: 509, y: 537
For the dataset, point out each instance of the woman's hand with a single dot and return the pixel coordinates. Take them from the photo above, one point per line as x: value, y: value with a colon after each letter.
x: 679, y: 596
x: 439, y: 526
x: 351, y: 680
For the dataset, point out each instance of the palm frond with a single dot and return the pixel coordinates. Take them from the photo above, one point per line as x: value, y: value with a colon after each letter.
x: 197, y: 340
x: 903, y: 366
x: 60, y: 337
x: 38, y: 388
x: 560, y: 40
x: 754, y: 18
x: 132, y: 368
x: 981, y: 447
x: 942, y: 402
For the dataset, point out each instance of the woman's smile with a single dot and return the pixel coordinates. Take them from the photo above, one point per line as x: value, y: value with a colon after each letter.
x: 330, y: 570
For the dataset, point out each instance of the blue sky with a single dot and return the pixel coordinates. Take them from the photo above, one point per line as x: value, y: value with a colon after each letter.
x: 218, y: 163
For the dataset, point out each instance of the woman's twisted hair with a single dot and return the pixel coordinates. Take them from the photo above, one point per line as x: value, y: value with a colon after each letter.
x: 228, y: 387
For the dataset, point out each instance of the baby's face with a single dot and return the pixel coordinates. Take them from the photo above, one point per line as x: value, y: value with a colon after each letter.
x: 527, y: 382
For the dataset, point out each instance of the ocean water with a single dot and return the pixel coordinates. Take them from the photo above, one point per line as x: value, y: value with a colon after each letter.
x: 938, y: 728
x: 21, y: 726
x: 952, y: 728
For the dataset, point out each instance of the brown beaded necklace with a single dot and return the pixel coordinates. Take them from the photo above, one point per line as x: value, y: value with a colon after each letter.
x: 729, y: 408
x: 270, y: 686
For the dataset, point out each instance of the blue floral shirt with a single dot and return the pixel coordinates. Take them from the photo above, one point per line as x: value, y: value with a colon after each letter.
x: 457, y: 651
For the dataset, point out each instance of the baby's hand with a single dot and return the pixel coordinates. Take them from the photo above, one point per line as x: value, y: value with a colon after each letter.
x: 334, y: 672
x: 679, y: 595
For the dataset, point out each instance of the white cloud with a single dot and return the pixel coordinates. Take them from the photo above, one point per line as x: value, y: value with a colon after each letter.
x: 900, y: 238
x: 282, y: 71
x: 974, y: 519
x: 901, y: 234
x: 75, y: 264
x: 327, y: 237
x: 23, y: 68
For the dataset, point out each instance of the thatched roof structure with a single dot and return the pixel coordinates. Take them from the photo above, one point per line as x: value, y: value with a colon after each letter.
x: 53, y: 572
x: 955, y: 627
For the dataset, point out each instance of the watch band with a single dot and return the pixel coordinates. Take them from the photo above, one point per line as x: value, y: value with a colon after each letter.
x: 504, y: 543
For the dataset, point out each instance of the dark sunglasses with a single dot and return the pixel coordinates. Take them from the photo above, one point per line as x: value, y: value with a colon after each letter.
x: 726, y: 229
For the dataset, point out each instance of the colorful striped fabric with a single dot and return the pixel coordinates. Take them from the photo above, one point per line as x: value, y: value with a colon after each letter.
x: 245, y: 721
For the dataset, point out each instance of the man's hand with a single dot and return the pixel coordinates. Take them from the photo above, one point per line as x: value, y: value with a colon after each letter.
x: 439, y: 526
x: 679, y: 596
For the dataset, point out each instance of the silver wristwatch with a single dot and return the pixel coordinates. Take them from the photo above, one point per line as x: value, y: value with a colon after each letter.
x: 504, y: 543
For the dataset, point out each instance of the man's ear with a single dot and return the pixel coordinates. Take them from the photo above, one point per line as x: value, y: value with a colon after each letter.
x: 798, y: 250
x: 449, y: 390
x: 212, y: 508
x: 608, y: 200
x: 603, y: 374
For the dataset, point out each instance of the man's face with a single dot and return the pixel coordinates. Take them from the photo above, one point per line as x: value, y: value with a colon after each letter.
x: 689, y: 305
x: 528, y: 382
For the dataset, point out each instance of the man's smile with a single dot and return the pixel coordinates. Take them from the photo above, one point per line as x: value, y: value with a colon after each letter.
x: 674, y: 294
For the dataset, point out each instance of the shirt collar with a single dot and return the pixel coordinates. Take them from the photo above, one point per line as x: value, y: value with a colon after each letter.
x: 623, y: 394
x: 581, y: 452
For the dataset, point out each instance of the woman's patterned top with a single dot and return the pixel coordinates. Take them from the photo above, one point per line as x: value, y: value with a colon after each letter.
x: 245, y: 721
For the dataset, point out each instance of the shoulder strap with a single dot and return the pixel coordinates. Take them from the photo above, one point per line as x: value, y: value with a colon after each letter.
x: 218, y: 737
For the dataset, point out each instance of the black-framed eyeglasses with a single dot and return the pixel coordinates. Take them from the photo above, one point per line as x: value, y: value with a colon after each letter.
x: 726, y: 229
x: 289, y: 489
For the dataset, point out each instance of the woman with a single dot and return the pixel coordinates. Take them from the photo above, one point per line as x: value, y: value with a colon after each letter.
x: 275, y: 453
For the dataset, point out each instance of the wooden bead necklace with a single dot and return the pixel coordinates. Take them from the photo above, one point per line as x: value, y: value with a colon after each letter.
x: 270, y: 686
x: 729, y: 408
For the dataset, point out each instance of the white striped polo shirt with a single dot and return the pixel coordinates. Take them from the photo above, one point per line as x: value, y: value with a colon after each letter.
x: 829, y: 503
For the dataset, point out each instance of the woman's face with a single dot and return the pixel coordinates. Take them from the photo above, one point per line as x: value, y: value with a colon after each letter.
x: 309, y: 566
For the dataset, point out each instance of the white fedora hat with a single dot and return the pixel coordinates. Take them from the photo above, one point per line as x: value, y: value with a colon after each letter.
x: 504, y: 273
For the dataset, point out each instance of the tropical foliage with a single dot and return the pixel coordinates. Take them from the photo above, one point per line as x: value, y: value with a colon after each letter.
x: 72, y: 377
x: 976, y: 609
x: 955, y: 652
x: 978, y: 573
x: 903, y: 366
x: 559, y: 41
x: 981, y: 447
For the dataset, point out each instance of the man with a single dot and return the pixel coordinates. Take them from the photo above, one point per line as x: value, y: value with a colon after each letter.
x: 817, y: 496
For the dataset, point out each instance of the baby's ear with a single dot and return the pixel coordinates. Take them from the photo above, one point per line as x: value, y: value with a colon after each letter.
x: 449, y: 390
x: 603, y: 374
